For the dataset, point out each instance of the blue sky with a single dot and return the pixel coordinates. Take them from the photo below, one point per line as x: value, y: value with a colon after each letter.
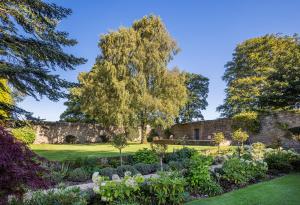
x: 206, y: 31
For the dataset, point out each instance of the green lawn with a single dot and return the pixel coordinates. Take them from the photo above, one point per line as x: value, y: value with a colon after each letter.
x: 67, y: 151
x: 281, y: 191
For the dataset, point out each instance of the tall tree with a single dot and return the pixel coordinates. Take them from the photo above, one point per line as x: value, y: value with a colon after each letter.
x: 73, y: 112
x: 197, y: 86
x: 31, y: 46
x: 130, y: 84
x: 264, y: 74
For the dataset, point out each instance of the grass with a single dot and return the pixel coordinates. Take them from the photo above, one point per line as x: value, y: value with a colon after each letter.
x: 71, y: 151
x: 281, y: 191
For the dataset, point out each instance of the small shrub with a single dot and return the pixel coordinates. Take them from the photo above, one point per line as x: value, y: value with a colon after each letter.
x: 125, y: 168
x: 145, y: 168
x: 71, y: 196
x: 24, y: 134
x: 125, y: 191
x: 79, y: 175
x: 218, y: 139
x: 181, y: 155
x: 240, y: 171
x: 199, y: 177
x: 176, y: 165
x: 120, y: 142
x: 166, y: 189
x: 280, y: 160
x: 146, y: 156
x: 108, y: 172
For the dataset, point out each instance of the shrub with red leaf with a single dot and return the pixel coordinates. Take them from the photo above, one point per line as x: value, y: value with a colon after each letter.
x: 19, y: 167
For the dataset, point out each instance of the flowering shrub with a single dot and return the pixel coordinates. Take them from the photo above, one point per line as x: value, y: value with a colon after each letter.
x: 18, y: 167
x: 146, y: 156
x: 241, y: 171
x: 281, y: 160
x: 199, y: 177
x: 68, y: 196
x: 168, y: 188
x: 126, y: 190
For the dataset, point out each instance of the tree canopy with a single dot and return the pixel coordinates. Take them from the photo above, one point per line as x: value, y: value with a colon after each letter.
x: 130, y: 84
x: 31, y: 47
x: 197, y: 88
x: 264, y: 74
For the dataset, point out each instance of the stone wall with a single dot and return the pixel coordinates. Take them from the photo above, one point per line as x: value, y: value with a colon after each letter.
x: 276, y: 126
x: 273, y: 126
x: 206, y: 129
x: 56, y: 132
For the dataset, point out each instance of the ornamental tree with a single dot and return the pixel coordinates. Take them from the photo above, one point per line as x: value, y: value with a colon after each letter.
x: 31, y: 46
x: 130, y: 85
x: 263, y: 75
x: 240, y: 137
x: 120, y: 142
x: 218, y: 139
x: 19, y: 168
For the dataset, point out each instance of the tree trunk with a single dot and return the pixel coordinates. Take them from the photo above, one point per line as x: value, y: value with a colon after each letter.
x: 219, y: 149
x: 121, y: 160
x: 161, y: 164
x: 143, y: 134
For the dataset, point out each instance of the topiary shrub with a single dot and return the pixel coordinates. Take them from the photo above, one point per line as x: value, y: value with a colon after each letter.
x: 25, y: 134
x: 146, y: 156
x: 125, y: 168
x: 79, y: 175
x: 19, y: 167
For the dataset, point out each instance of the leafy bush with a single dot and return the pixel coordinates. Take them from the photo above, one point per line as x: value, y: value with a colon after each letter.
x: 181, y: 155
x: 146, y: 156
x: 79, y: 175
x: 280, y: 160
x: 108, y: 172
x: 71, y: 196
x: 240, y: 171
x: 176, y: 165
x: 168, y: 188
x: 247, y: 121
x: 125, y: 191
x: 19, y: 167
x: 125, y: 168
x: 145, y: 168
x: 90, y: 164
x: 199, y: 177
x: 24, y: 134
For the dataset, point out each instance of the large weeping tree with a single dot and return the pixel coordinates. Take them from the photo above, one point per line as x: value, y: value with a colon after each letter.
x: 130, y: 85
x: 31, y: 47
x: 263, y: 75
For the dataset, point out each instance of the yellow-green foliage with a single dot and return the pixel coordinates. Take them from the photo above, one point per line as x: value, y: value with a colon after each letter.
x: 247, y: 121
x: 240, y: 136
x: 24, y: 134
x: 130, y: 84
x: 219, y: 138
x: 5, y: 97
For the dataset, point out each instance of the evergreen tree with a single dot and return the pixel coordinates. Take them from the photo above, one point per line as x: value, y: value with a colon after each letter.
x: 264, y: 74
x: 30, y: 47
x: 130, y: 84
x: 197, y: 87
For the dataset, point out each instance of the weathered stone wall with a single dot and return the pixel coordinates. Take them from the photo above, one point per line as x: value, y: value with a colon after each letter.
x: 273, y: 126
x: 206, y: 129
x: 56, y: 132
